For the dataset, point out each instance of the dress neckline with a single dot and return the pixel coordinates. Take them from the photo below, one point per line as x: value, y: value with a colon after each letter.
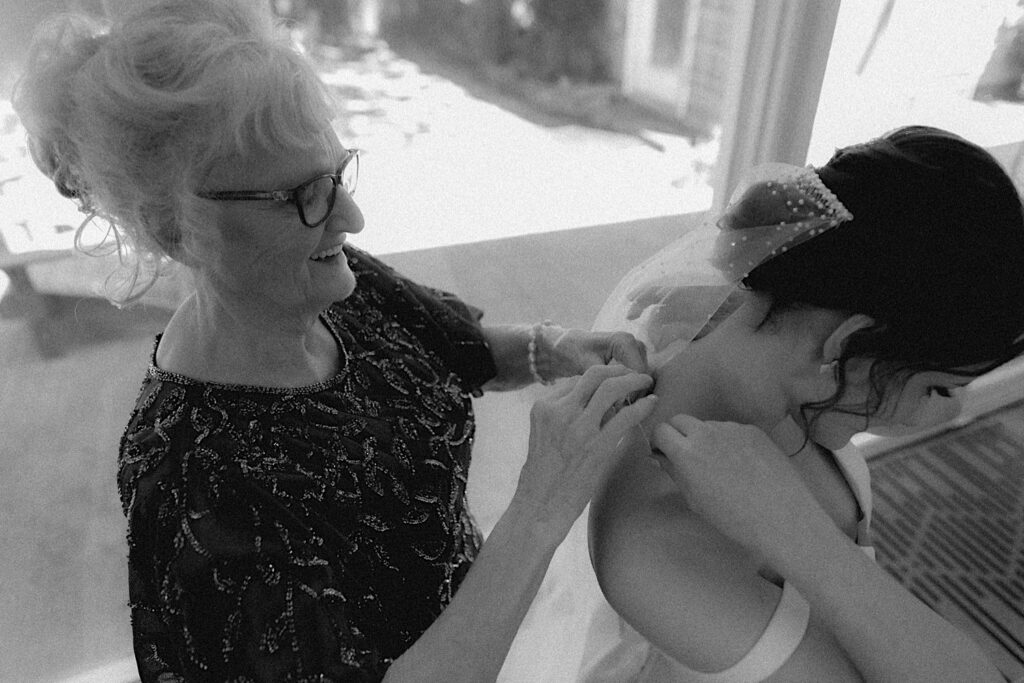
x: 157, y: 373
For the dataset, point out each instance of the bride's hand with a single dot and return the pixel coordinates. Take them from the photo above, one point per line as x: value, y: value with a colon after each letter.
x: 737, y: 479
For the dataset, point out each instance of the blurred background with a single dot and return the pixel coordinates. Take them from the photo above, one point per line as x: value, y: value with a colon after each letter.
x: 523, y: 153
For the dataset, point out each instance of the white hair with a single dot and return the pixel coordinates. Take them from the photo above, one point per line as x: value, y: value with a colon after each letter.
x: 131, y: 118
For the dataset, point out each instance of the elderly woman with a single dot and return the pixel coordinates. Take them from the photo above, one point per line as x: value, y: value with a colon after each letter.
x: 294, y: 471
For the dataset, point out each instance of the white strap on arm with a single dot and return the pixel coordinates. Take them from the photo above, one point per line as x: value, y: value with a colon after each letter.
x: 780, y: 639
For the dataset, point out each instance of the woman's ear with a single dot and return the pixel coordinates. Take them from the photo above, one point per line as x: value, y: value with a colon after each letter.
x: 835, y: 342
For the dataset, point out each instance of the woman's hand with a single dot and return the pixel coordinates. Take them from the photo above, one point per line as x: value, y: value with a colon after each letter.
x: 573, y: 351
x: 737, y: 479
x: 574, y: 438
x: 556, y: 353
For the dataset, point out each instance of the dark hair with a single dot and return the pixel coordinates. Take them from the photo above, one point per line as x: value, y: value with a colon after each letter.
x: 934, y: 254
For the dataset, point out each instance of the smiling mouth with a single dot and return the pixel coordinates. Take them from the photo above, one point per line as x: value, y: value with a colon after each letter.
x: 327, y: 253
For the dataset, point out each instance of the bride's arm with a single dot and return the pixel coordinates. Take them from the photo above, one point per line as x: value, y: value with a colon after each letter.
x: 740, y: 483
x: 884, y: 629
x: 691, y: 592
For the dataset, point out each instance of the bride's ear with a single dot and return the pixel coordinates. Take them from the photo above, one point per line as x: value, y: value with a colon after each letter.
x: 835, y: 342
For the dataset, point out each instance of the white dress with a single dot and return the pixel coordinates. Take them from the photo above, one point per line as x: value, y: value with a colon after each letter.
x: 572, y: 635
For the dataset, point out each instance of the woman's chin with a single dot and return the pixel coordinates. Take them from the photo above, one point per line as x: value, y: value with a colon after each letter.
x: 335, y: 280
x: 345, y: 288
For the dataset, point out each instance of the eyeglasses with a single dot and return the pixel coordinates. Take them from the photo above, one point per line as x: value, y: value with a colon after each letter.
x: 314, y: 198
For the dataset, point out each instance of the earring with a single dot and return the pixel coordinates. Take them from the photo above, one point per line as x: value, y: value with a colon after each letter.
x: 828, y: 368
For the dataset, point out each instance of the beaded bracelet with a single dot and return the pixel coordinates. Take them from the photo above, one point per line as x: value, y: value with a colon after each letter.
x: 531, y: 352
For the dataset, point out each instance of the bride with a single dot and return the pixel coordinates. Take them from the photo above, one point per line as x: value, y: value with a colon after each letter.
x: 732, y: 542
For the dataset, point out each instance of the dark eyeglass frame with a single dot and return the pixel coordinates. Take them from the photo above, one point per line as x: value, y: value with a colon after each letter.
x: 292, y: 196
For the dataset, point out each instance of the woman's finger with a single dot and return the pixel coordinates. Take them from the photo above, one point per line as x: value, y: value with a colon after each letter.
x: 562, y: 388
x: 628, y: 350
x: 591, y: 380
x: 668, y: 437
x: 686, y: 424
x: 670, y: 449
x: 630, y: 416
x: 613, y: 393
x: 672, y: 441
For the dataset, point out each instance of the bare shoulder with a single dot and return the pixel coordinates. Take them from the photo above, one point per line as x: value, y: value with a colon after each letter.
x: 690, y: 591
x: 694, y: 594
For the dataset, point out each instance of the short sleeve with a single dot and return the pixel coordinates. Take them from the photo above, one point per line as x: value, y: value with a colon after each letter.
x: 444, y: 323
x: 227, y: 585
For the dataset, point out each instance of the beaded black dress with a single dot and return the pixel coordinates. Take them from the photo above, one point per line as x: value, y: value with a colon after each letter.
x: 313, y: 533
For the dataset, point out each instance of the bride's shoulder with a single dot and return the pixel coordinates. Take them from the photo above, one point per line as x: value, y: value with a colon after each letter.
x: 668, y: 573
x: 639, y: 519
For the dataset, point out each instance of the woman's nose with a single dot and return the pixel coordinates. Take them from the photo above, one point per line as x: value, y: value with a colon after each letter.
x: 346, y: 216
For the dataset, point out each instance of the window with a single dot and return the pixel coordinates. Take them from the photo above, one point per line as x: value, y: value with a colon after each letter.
x: 900, y: 62
x: 457, y: 154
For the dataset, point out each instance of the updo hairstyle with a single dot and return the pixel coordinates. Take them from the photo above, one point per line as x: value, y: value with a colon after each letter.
x: 130, y: 119
x: 934, y: 254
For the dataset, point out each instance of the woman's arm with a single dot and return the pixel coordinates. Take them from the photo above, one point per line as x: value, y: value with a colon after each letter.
x: 571, y: 446
x: 738, y: 481
x: 471, y: 638
x: 557, y: 353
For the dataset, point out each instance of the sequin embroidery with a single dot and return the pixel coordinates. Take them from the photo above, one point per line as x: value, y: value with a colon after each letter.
x: 307, y: 534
